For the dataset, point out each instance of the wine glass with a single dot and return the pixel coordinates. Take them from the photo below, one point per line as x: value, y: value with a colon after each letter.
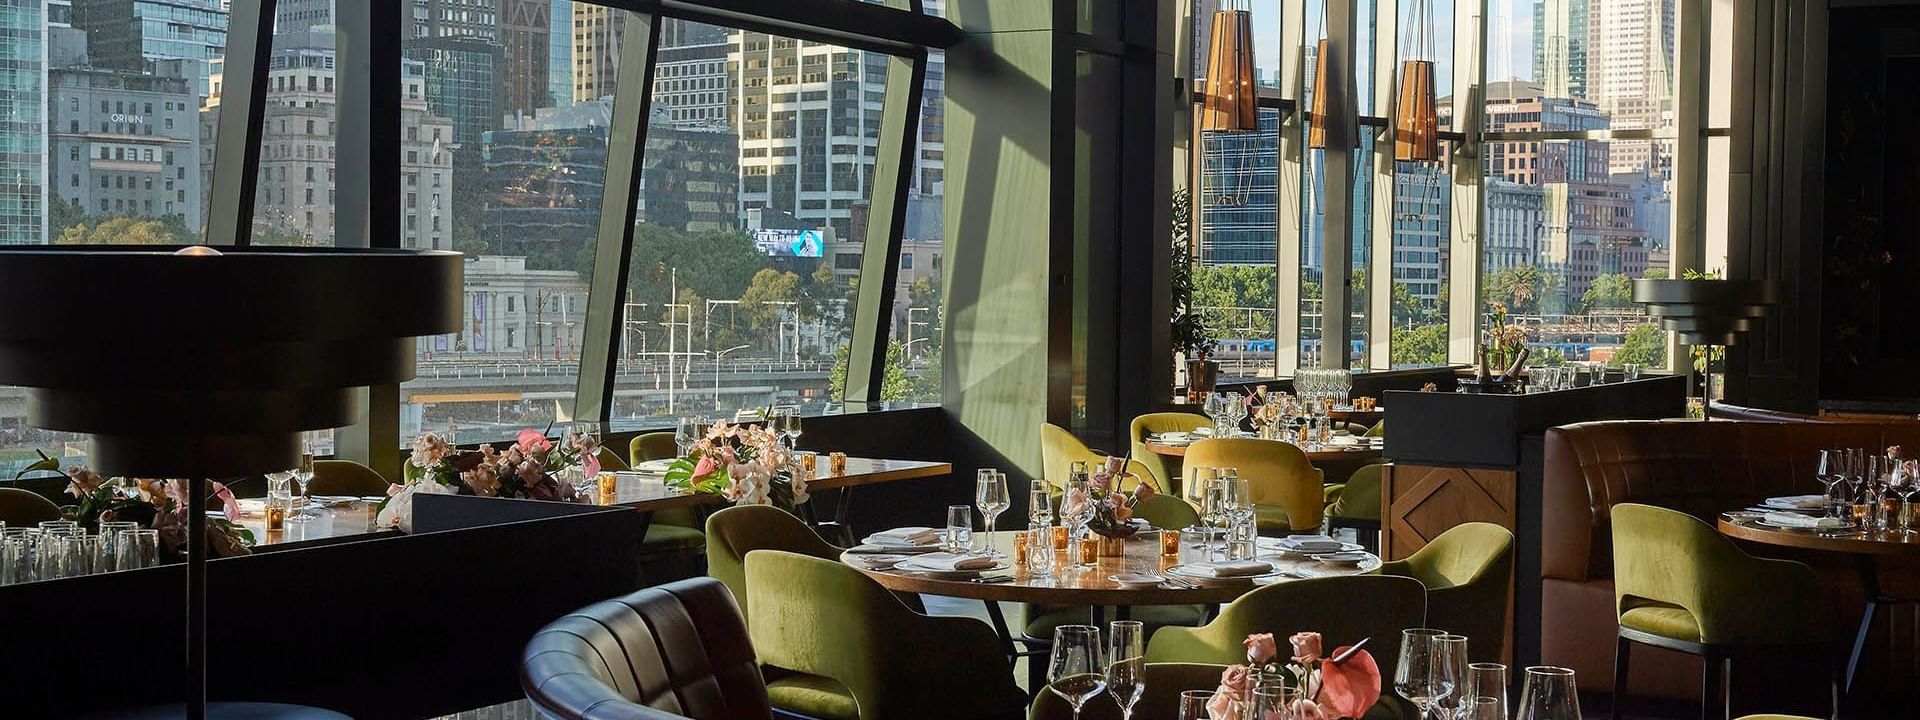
x: 1078, y: 670
x: 1237, y: 505
x: 1828, y: 473
x: 1453, y: 650
x: 1213, y: 508
x: 1236, y: 412
x: 1127, y: 665
x: 1193, y: 704
x: 1075, y: 515
x: 990, y: 496
x: 1486, y: 682
x: 787, y: 423
x: 1039, y: 504
x: 303, y: 480
x: 1425, y: 674
x: 1549, y: 694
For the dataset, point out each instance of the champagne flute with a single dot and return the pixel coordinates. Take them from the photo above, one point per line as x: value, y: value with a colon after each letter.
x: 1828, y: 473
x: 1039, y: 504
x: 990, y: 496
x: 1127, y: 665
x: 686, y: 435
x: 303, y: 479
x: 1549, y: 694
x: 1077, y: 672
x: 1424, y: 675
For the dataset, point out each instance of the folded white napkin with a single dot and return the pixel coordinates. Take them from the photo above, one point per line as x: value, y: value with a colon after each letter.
x: 1804, y: 502
x: 1233, y: 568
x: 908, y: 535
x: 950, y: 562
x: 1310, y: 543
x: 1801, y: 521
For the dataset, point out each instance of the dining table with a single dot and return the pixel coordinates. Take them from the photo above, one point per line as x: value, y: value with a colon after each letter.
x: 650, y: 493
x: 1865, y: 548
x: 1362, y: 450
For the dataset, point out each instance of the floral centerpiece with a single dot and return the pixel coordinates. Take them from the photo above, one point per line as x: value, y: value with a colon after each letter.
x: 157, y: 504
x: 743, y: 463
x: 1504, y: 339
x: 530, y: 468
x: 1327, y: 690
x: 1112, y: 507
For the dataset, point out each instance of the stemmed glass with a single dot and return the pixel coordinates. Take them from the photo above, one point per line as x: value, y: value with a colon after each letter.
x: 1076, y: 515
x: 303, y: 479
x: 1127, y: 665
x: 1549, y: 694
x: 1828, y: 473
x: 1453, y: 651
x: 1078, y: 670
x: 1236, y: 412
x: 1237, y: 503
x: 686, y: 435
x: 786, y: 422
x: 1425, y: 673
x: 990, y: 496
x: 1039, y: 504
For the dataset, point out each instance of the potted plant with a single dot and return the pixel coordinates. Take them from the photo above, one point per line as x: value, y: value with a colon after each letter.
x: 1191, y: 335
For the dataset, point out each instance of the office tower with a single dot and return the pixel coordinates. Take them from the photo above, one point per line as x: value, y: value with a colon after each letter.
x: 1422, y: 202
x: 1631, y: 76
x: 125, y: 144
x: 462, y: 82
x: 524, y: 34
x: 559, y: 53
x: 1238, y: 208
x: 456, y: 18
x: 297, y: 15
x: 809, y: 121
x: 1560, y: 47
x: 131, y: 35
x: 690, y: 82
x: 596, y: 50
x: 23, y: 130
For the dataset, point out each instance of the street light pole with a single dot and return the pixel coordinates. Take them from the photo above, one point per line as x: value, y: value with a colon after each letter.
x: 716, y: 373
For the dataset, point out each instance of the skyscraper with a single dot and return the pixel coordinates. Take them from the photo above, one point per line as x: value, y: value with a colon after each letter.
x: 457, y: 18
x: 1631, y: 75
x: 297, y: 15
x: 809, y: 121
x: 131, y: 35
x: 596, y: 50
x: 559, y: 53
x: 1239, y: 211
x: 462, y: 82
x: 1560, y: 42
x: 524, y: 34
x: 23, y: 129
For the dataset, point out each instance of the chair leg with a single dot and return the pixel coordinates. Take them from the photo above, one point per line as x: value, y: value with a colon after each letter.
x: 1621, y: 650
x: 1833, y: 682
x: 1709, y: 685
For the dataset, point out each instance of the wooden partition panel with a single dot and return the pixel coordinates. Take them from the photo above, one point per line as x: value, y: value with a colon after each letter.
x: 396, y: 627
x: 1422, y: 501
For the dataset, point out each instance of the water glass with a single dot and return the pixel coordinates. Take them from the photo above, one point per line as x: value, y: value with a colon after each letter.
x: 1040, y: 550
x: 686, y: 434
x: 1482, y: 708
x: 1487, y: 680
x: 59, y: 527
x: 1425, y: 674
x: 1193, y: 704
x: 136, y: 549
x: 1549, y: 694
x: 990, y: 495
x: 1077, y: 671
x: 1127, y: 664
x: 16, y: 559
x: 84, y: 553
x: 53, y: 557
x: 959, y: 533
x: 1631, y: 371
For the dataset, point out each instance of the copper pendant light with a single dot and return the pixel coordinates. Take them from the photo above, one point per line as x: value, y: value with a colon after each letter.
x: 1332, y: 88
x: 1416, y: 134
x: 1229, y: 102
x: 1317, y: 125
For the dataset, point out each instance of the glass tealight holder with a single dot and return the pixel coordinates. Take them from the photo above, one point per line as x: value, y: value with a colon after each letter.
x: 1169, y: 542
x: 807, y: 460
x: 1089, y: 549
x: 837, y: 463
x: 609, y: 483
x: 1059, y: 538
x: 1020, y: 539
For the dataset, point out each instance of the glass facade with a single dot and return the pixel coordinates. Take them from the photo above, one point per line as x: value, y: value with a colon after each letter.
x: 23, y: 130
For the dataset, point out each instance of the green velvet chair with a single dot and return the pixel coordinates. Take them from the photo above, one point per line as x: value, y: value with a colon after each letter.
x: 1379, y: 429
x: 1342, y: 609
x: 345, y: 477
x: 1059, y: 449
x: 1466, y: 571
x: 735, y: 531
x: 673, y: 534
x: 1680, y: 585
x: 1288, y: 492
x: 1356, y: 502
x: 651, y: 446
x: 1165, y: 682
x: 19, y: 508
x: 861, y: 654
x: 1166, y: 469
x: 611, y: 461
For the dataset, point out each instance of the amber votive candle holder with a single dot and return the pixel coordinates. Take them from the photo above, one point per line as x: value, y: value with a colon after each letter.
x: 1169, y: 542
x: 609, y: 483
x: 276, y: 517
x: 837, y: 463
x: 807, y: 459
x: 1059, y: 538
x: 1020, y: 547
x: 1089, y: 549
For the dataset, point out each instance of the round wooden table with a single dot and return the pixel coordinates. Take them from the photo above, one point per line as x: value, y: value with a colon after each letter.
x: 1866, y: 549
x: 1325, y: 453
x: 1091, y: 586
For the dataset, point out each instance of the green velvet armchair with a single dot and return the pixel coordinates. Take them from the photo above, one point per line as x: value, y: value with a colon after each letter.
x: 733, y: 532
x: 651, y: 446
x: 1357, y: 501
x: 1342, y: 609
x: 20, y: 508
x: 1466, y: 571
x: 1059, y: 449
x: 865, y: 655
x: 1681, y: 585
x: 1165, y: 469
x: 345, y: 477
x: 1165, y: 682
x: 675, y: 531
x: 1288, y: 492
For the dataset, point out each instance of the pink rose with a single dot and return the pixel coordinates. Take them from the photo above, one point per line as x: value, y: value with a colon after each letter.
x: 532, y: 441
x: 1143, y: 492
x: 1231, y: 694
x: 1260, y: 647
x: 1308, y: 710
x: 1306, y: 647
x: 1122, y: 513
x: 1101, y: 481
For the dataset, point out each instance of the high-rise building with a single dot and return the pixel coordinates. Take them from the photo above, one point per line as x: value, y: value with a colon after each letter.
x: 690, y: 82
x: 131, y: 35
x: 524, y: 34
x: 1631, y: 76
x: 125, y: 143
x: 23, y: 129
x: 1422, y: 203
x: 1560, y: 47
x: 457, y: 18
x: 463, y: 82
x: 1516, y: 214
x: 1238, y: 203
x: 296, y: 15
x: 809, y: 121
x: 596, y: 50
x: 559, y: 53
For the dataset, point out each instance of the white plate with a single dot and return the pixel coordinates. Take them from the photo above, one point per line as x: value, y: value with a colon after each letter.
x: 1275, y: 545
x: 1344, y: 441
x: 1789, y: 503
x: 1318, y: 570
x: 1136, y: 581
x: 891, y: 543
x: 1186, y: 572
x: 1843, y: 526
x: 879, y: 562
x: 909, y: 565
x: 654, y: 467
x: 1342, y: 559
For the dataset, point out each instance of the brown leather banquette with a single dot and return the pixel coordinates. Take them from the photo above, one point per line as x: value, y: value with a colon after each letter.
x: 1699, y: 468
x: 676, y: 650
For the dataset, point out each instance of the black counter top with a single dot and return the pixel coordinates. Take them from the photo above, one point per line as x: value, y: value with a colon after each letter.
x: 1484, y: 430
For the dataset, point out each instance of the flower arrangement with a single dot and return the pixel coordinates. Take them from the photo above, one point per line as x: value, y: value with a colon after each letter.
x: 743, y: 463
x: 529, y: 468
x: 1327, y: 690
x: 1112, y: 507
x: 157, y: 504
x: 1503, y: 339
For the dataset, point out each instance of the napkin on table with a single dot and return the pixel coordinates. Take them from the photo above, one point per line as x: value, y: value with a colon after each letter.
x: 908, y: 535
x: 1233, y: 568
x: 1310, y: 543
x: 1803, y: 502
x: 1787, y: 519
x: 952, y: 561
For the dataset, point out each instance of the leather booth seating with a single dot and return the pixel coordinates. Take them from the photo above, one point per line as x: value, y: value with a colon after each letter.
x: 1702, y: 469
x: 675, y: 650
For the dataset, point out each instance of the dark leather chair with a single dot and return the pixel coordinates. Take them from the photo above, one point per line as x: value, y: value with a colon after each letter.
x: 1701, y: 469
x: 676, y: 650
